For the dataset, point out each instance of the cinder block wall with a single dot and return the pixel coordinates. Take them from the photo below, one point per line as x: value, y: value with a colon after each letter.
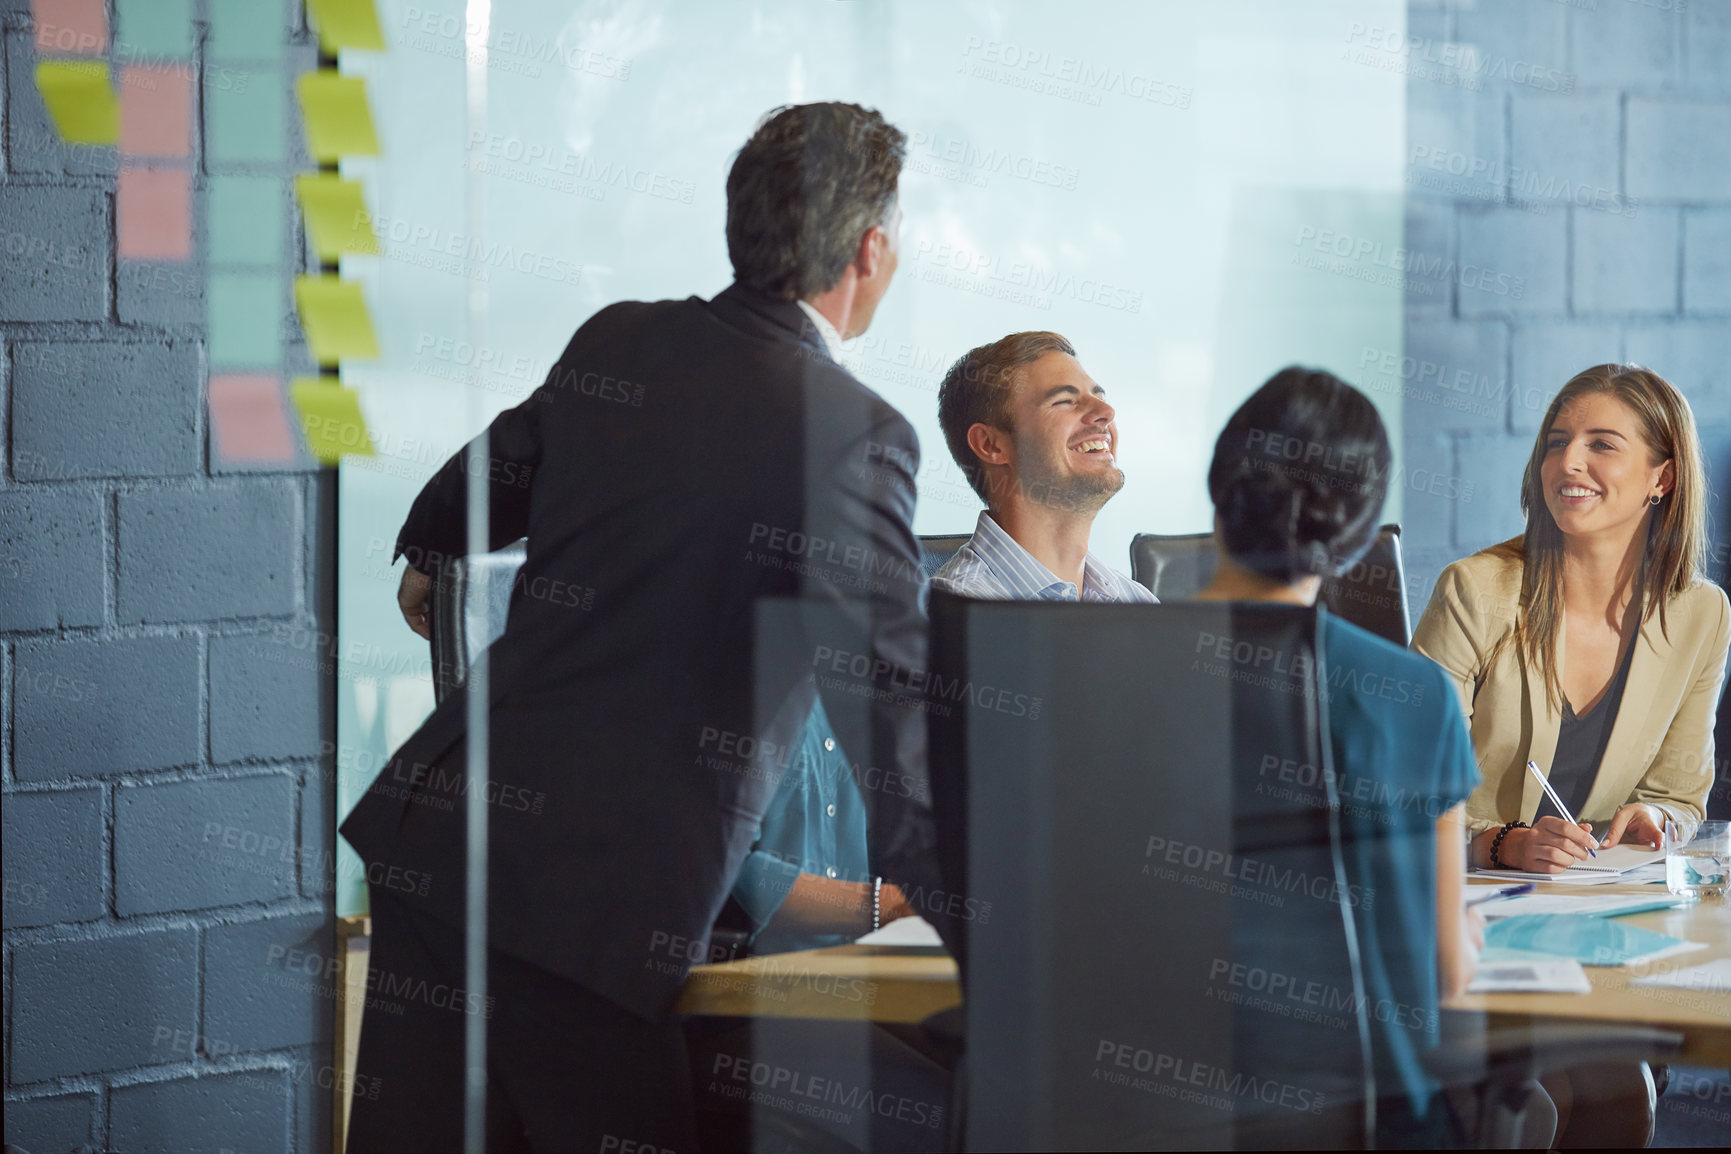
x: 1569, y: 167
x: 166, y: 807
x: 1569, y: 170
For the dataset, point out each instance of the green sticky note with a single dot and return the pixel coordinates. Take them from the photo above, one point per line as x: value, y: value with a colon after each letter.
x: 245, y: 218
x: 152, y: 29
x: 80, y: 99
x: 247, y: 124
x: 334, y: 314
x: 346, y: 24
x: 337, y: 217
x: 247, y: 29
x: 331, y: 418
x: 244, y: 313
x: 334, y: 109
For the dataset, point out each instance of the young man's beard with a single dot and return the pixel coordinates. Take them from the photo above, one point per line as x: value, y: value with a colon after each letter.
x: 1043, y: 483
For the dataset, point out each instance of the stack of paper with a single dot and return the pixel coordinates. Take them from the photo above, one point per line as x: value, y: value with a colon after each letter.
x: 1618, y: 864
x: 1534, y: 976
x: 1595, y: 905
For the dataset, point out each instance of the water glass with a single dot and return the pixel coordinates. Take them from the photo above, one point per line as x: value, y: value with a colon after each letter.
x: 1699, y: 868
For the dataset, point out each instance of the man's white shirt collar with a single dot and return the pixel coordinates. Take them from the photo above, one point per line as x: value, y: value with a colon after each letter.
x: 831, y: 338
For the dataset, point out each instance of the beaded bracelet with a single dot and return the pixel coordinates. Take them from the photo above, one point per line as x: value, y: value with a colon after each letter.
x: 877, y: 897
x: 1497, y: 843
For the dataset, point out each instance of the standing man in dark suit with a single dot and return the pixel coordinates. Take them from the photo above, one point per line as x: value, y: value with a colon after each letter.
x: 719, y: 529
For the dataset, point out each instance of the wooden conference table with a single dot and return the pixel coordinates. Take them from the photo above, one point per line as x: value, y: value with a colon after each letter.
x: 897, y: 984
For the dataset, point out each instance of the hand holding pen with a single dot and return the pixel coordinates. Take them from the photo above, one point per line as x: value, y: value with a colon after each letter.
x: 1553, y: 844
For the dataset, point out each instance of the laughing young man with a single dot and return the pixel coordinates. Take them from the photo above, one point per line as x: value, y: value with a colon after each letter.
x: 1034, y: 435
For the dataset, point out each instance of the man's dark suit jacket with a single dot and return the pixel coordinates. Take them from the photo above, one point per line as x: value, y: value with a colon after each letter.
x: 719, y: 523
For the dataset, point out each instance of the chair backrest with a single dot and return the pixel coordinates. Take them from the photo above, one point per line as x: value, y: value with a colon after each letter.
x: 935, y: 550
x: 470, y: 598
x: 468, y: 616
x: 1371, y: 594
x: 1158, y: 949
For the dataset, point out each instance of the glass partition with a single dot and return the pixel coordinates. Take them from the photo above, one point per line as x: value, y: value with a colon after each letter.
x: 1194, y: 194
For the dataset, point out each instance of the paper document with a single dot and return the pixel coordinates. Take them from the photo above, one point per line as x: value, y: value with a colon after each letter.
x: 1712, y: 977
x: 1536, y: 976
x: 910, y: 931
x: 1592, y: 941
x: 1597, y: 905
x: 1566, y: 878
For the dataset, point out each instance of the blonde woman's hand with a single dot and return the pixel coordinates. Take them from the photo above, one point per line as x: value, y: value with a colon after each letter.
x: 1551, y: 846
x: 1637, y: 824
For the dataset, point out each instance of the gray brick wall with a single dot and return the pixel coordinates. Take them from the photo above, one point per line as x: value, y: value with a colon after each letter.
x: 1575, y: 177
x: 166, y: 807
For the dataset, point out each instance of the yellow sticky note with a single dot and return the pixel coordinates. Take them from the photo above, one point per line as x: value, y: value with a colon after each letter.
x: 80, y: 99
x: 334, y: 110
x: 337, y: 216
x: 347, y: 24
x: 334, y: 314
x: 331, y: 418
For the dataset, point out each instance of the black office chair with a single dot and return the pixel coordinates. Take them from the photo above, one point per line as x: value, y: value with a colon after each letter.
x: 1111, y: 845
x: 471, y: 595
x: 1143, y: 881
x: 1371, y: 594
x: 467, y: 609
x: 937, y: 549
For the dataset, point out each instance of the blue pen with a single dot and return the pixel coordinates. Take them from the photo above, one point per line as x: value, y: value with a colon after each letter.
x: 1557, y: 801
x: 1504, y: 892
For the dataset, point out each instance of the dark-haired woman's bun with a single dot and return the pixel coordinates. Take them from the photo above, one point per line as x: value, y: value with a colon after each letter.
x: 1299, y: 476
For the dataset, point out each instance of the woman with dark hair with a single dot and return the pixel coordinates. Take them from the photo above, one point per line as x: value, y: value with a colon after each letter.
x: 1593, y: 645
x: 1298, y: 481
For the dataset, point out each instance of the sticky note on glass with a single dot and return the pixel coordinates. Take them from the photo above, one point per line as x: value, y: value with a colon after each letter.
x: 331, y: 418
x: 154, y: 29
x: 243, y: 312
x: 246, y: 124
x: 244, y: 220
x: 337, y: 217
x: 334, y: 110
x: 346, y: 24
x: 70, y: 27
x: 334, y: 314
x: 155, y: 111
x: 247, y: 419
x: 153, y: 214
x: 80, y: 100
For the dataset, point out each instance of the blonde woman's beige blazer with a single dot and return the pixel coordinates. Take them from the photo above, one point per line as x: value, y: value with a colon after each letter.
x: 1661, y: 745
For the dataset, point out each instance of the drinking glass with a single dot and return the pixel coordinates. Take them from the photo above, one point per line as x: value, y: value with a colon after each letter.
x: 1698, y: 868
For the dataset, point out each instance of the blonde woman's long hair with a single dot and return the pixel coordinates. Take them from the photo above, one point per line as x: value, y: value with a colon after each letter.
x: 1676, y: 552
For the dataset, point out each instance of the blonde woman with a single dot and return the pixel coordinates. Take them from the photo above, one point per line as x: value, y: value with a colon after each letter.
x: 1593, y: 644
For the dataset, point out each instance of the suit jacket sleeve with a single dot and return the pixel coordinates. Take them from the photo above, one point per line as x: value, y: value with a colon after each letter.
x: 510, y: 452
x: 866, y: 629
x: 1681, y: 775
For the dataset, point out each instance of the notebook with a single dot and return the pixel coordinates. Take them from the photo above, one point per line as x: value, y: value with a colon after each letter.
x: 1611, y: 865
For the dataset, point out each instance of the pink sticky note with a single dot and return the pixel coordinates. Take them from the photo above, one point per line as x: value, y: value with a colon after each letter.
x: 70, y: 27
x: 155, y: 111
x: 153, y: 211
x: 248, y: 420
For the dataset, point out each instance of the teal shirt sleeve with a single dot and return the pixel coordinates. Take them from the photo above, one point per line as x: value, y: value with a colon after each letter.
x: 764, y: 883
x: 814, y: 824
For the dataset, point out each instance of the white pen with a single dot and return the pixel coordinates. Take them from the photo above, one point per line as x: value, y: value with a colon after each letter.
x: 1555, y: 800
